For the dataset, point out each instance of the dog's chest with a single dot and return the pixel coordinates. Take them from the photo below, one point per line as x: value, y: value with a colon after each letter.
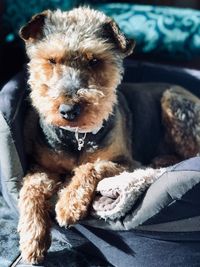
x: 63, y: 160
x: 55, y: 161
x: 61, y: 152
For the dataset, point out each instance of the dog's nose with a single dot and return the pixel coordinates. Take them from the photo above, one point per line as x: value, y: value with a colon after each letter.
x: 69, y: 112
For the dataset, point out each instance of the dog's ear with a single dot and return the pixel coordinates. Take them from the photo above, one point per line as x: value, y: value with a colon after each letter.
x: 112, y: 31
x: 33, y: 30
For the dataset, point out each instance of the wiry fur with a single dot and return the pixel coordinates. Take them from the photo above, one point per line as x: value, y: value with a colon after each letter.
x: 181, y: 115
x: 71, y: 39
x: 61, y: 46
x: 76, y: 58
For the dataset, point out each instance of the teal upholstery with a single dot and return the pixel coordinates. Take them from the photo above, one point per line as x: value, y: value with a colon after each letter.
x: 164, y: 33
x: 174, y: 31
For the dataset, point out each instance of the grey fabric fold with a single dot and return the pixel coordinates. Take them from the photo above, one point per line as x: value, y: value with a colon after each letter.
x: 11, y: 171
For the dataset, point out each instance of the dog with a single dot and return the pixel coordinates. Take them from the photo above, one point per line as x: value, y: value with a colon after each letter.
x: 78, y: 128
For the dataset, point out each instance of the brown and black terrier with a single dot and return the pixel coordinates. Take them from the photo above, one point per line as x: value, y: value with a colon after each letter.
x: 77, y: 130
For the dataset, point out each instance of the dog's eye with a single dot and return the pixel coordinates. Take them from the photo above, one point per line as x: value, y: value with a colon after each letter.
x: 94, y: 62
x: 52, y: 61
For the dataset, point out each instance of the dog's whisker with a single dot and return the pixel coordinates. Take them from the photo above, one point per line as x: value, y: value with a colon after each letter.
x: 90, y: 92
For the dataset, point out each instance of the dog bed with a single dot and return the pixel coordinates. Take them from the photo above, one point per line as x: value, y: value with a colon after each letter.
x: 161, y: 226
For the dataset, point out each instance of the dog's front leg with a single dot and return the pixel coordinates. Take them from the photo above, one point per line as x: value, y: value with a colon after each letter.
x: 74, y: 199
x: 34, y: 222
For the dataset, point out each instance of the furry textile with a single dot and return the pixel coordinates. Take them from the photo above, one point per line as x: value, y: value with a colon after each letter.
x: 117, y: 195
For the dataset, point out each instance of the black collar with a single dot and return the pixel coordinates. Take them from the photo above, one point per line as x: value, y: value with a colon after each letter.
x: 60, y: 139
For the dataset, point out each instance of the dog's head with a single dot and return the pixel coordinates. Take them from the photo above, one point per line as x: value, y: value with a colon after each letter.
x: 75, y: 66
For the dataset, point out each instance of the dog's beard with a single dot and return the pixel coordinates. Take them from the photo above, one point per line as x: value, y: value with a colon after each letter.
x: 94, y: 97
x: 97, y: 106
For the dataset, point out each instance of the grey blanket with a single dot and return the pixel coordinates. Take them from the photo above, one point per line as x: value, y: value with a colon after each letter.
x: 67, y: 247
x: 8, y: 235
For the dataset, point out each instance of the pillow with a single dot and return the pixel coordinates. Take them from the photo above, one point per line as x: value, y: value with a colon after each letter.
x: 165, y: 30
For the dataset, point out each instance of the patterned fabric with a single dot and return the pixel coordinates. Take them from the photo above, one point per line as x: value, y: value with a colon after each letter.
x: 174, y: 31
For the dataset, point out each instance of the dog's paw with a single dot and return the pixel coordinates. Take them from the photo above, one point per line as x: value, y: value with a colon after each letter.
x: 35, y: 239
x: 33, y: 251
x: 32, y: 255
x: 71, y: 207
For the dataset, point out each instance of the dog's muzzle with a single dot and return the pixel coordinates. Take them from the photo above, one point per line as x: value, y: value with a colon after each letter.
x: 70, y: 112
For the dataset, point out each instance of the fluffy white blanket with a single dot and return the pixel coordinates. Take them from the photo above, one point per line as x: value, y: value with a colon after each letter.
x: 117, y: 195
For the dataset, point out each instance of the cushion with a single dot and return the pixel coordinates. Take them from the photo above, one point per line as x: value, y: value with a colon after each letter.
x: 175, y: 183
x: 166, y: 30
